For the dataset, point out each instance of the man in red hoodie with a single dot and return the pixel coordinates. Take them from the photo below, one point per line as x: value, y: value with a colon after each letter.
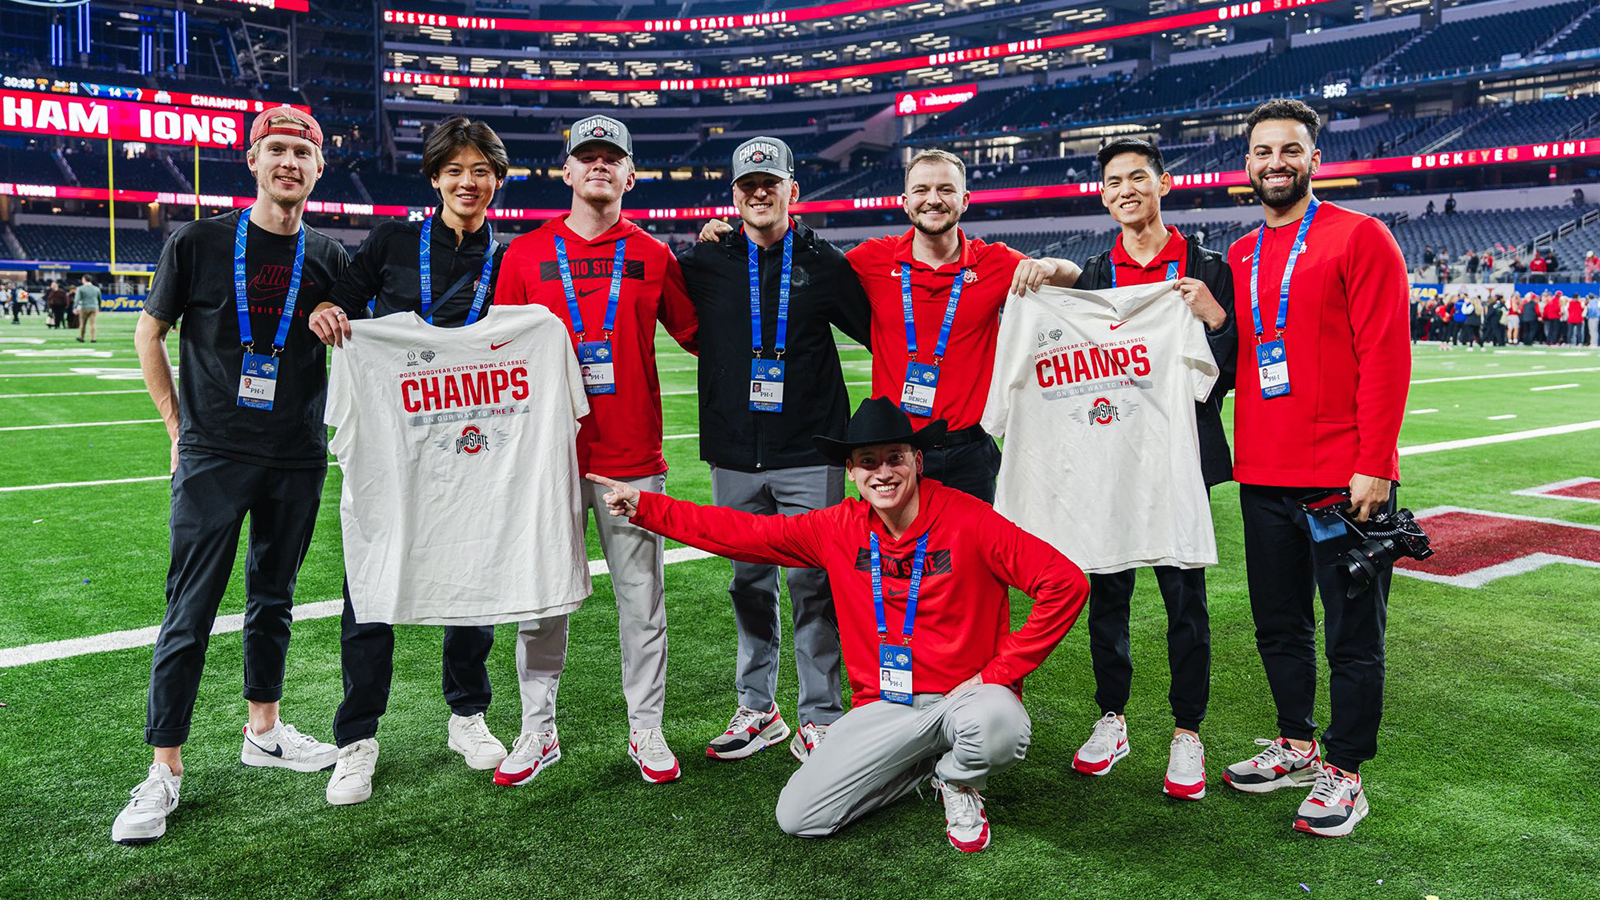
x: 610, y: 282
x: 920, y: 574
x: 1554, y: 328
x: 1325, y: 292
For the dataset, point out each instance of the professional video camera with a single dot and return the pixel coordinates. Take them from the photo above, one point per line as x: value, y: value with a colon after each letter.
x: 1381, y: 540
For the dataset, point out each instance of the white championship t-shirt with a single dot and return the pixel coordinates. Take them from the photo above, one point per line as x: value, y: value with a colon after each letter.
x: 1094, y: 393
x: 460, y: 503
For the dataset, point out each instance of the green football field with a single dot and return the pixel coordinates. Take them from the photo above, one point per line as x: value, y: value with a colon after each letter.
x: 1485, y: 785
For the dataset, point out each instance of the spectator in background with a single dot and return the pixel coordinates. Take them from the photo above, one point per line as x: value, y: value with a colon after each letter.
x: 88, y: 304
x: 1577, y: 197
x: 1421, y: 315
x: 1429, y: 211
x: 1528, y: 319
x: 8, y: 298
x: 56, y: 305
x: 1592, y: 316
x: 1495, y: 319
x: 1591, y: 267
x: 1445, y: 323
x: 1471, y: 329
x: 1552, y: 313
x: 1486, y: 265
x: 1472, y: 265
x: 1575, y: 321
x: 1537, y: 267
x: 1444, y: 266
x: 1428, y: 256
x: 1450, y: 205
x: 29, y: 298
x: 1552, y: 263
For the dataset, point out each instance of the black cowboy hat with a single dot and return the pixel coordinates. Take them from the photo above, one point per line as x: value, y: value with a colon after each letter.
x: 878, y: 421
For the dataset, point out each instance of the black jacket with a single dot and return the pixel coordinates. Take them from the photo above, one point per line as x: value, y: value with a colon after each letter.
x: 387, y: 267
x: 1216, y: 462
x: 823, y: 292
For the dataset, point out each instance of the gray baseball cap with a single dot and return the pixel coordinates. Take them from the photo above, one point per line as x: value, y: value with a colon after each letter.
x: 600, y: 130
x: 763, y: 154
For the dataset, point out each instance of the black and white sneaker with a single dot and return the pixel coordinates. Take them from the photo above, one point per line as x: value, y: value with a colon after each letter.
x: 1336, y: 804
x: 1280, y: 765
x: 749, y: 731
x: 807, y: 739
x: 286, y: 748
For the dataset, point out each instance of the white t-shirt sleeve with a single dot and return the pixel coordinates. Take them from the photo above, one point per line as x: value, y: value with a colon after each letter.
x: 1202, y: 366
x: 575, y: 392
x: 342, y: 408
x: 1011, y: 344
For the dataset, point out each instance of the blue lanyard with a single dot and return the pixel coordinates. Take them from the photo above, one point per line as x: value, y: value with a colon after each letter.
x: 572, y: 295
x: 783, y: 295
x: 911, y: 595
x: 242, y: 302
x: 949, y: 312
x: 425, y: 255
x: 1172, y: 271
x: 1288, y: 270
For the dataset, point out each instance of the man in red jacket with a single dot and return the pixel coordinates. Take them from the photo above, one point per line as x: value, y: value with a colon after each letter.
x: 610, y: 282
x: 1318, y: 408
x: 1553, y: 327
x: 920, y: 575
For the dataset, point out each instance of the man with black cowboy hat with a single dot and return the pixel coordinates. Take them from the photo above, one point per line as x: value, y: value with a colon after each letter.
x: 765, y: 389
x: 920, y: 574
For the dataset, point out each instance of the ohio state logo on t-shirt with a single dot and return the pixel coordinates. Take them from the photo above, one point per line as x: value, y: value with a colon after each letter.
x: 471, y: 441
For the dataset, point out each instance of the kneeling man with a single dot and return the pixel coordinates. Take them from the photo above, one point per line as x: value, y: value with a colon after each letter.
x: 920, y: 574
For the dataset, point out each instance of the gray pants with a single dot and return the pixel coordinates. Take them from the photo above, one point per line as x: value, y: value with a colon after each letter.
x: 880, y: 751
x: 635, y: 559
x: 754, y: 591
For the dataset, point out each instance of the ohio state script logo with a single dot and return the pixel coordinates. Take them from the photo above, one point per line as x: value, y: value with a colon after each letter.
x: 1103, y: 412
x: 471, y: 441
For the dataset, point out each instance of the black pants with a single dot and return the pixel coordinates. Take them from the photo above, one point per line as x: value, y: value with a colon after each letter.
x: 366, y: 654
x: 210, y: 497
x: 1188, y: 641
x: 970, y: 468
x: 1283, y: 565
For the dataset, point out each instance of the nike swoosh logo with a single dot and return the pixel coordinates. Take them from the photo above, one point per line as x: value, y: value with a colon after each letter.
x: 277, y: 749
x: 589, y: 292
x: 1118, y: 325
x: 499, y: 345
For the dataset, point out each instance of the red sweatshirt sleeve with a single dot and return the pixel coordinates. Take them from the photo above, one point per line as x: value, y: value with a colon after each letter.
x: 771, y: 540
x: 677, y: 310
x: 1055, y: 583
x: 511, y: 284
x: 1379, y: 296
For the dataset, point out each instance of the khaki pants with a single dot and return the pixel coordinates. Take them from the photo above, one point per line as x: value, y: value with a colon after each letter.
x: 880, y: 751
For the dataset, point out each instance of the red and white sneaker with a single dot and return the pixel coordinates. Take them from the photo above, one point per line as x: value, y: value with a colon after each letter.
x: 749, y: 731
x: 808, y: 738
x: 1186, y: 769
x: 1280, y: 765
x: 1105, y: 746
x: 656, y: 763
x: 965, y: 822
x: 1336, y: 804
x: 533, y: 752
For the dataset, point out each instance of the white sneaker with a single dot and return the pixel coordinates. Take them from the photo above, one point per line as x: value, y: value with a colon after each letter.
x: 749, y: 731
x: 530, y: 754
x: 965, y: 823
x: 1105, y: 746
x: 285, y: 748
x: 352, y: 774
x: 1186, y: 769
x: 1280, y: 765
x: 656, y: 762
x: 470, y: 737
x: 144, y: 819
x: 807, y: 739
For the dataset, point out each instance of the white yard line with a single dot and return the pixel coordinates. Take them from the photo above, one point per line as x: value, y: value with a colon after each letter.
x: 144, y: 637
x: 1421, y: 412
x: 73, y: 484
x: 1541, y: 371
x: 1502, y: 418
x: 71, y: 394
x: 79, y: 425
x: 1554, y: 387
x: 1508, y: 437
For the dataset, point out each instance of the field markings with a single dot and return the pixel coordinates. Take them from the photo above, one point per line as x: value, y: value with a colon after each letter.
x: 71, y: 394
x: 1502, y: 418
x: 1554, y: 387
x: 1422, y: 412
x: 1541, y: 371
x: 79, y: 425
x: 73, y: 484
x: 1508, y: 437
x: 230, y: 624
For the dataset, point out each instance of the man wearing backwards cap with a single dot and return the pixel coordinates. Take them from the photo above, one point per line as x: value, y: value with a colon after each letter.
x: 920, y: 574
x: 247, y: 439
x: 765, y: 388
x: 610, y: 282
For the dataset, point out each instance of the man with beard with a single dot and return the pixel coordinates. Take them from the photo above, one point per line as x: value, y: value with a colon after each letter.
x: 466, y: 163
x: 629, y: 281
x: 793, y: 287
x: 247, y: 439
x: 936, y: 296
x: 1321, y: 390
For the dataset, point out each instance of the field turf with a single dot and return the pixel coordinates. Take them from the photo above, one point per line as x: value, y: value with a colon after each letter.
x: 1485, y: 785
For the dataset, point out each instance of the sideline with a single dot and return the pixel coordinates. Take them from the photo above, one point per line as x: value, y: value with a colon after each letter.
x: 144, y: 637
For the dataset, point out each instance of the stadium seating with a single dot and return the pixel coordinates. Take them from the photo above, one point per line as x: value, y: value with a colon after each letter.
x: 1179, y: 86
x: 1479, y: 230
x: 1464, y: 45
x: 1584, y: 37
x: 29, y: 166
x: 1533, y: 122
x: 142, y: 173
x: 134, y: 244
x: 1301, y: 69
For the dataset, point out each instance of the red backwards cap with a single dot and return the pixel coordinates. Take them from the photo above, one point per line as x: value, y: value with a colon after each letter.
x: 308, y: 129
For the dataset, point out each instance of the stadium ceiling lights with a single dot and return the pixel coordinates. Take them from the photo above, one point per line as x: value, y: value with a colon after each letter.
x: 881, y: 67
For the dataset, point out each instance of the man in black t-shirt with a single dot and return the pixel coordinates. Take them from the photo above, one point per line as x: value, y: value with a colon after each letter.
x: 466, y: 163
x: 247, y: 439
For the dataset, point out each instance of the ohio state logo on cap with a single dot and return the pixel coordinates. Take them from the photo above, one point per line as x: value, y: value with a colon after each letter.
x: 597, y: 131
x: 757, y: 156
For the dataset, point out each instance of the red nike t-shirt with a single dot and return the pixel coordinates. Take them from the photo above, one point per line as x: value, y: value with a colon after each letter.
x: 969, y: 357
x: 621, y: 436
x: 1130, y: 272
